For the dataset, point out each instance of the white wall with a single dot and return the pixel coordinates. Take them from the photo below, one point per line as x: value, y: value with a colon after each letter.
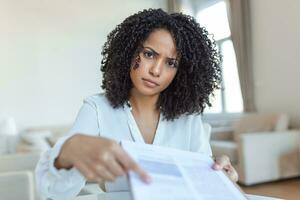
x: 50, y: 55
x: 276, y: 54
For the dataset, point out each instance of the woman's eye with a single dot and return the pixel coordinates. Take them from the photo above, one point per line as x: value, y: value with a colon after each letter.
x: 172, y: 63
x: 148, y: 54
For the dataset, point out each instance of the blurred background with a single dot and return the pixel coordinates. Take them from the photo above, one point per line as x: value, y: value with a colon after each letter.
x: 50, y: 54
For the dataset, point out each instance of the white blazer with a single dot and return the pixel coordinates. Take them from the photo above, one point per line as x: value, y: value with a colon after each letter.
x: 98, y: 118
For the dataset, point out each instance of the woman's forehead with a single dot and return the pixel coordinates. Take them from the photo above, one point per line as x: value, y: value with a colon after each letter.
x: 162, y: 42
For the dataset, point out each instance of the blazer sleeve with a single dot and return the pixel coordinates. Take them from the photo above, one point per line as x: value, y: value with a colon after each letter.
x: 65, y: 184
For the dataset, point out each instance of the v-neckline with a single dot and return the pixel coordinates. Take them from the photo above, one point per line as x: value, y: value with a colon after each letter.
x: 136, y: 134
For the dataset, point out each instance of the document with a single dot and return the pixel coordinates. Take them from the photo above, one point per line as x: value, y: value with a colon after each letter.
x: 178, y: 175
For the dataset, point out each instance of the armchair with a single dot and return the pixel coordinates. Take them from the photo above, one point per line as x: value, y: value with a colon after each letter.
x: 260, y: 147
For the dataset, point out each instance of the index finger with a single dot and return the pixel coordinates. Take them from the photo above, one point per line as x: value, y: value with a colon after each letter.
x: 129, y: 164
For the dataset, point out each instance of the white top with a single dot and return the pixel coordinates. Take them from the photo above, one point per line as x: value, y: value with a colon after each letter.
x: 98, y: 118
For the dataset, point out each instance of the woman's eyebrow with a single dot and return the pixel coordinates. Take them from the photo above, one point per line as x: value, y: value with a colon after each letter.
x: 158, y: 53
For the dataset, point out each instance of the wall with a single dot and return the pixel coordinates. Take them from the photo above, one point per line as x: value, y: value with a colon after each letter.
x: 276, y: 51
x: 50, y: 55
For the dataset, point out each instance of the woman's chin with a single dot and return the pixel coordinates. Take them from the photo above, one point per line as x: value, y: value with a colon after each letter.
x: 147, y: 91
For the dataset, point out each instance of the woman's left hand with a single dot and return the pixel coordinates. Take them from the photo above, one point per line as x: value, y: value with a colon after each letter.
x: 223, y: 163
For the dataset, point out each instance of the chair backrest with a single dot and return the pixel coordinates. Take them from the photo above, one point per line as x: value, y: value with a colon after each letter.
x: 260, y: 122
x: 18, y: 162
x: 17, y: 185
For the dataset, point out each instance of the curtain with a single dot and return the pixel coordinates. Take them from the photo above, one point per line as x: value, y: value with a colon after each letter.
x: 239, y: 22
x: 172, y: 6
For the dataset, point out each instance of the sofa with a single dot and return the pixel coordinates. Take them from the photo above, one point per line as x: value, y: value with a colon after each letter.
x: 17, y: 185
x: 17, y: 176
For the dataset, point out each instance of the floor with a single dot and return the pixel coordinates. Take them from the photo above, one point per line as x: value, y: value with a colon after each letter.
x: 286, y: 189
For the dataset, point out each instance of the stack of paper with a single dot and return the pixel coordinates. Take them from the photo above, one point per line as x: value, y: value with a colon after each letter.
x: 178, y: 175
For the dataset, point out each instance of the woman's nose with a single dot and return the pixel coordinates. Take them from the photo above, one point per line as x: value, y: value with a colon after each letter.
x: 156, y: 69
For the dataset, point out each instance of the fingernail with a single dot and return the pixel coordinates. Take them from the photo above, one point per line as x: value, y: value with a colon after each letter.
x: 216, y: 166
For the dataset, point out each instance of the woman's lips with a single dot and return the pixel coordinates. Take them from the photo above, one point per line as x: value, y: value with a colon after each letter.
x: 150, y: 83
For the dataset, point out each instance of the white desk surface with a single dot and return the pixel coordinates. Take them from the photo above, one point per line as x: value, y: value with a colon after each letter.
x: 126, y: 196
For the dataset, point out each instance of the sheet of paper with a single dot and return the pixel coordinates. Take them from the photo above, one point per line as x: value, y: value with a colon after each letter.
x: 178, y: 175
x: 209, y: 183
x: 166, y: 177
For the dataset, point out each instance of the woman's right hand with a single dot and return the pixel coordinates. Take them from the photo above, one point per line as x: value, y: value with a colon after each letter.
x: 97, y: 158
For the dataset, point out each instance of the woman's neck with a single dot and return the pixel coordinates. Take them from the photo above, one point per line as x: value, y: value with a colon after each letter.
x: 142, y: 103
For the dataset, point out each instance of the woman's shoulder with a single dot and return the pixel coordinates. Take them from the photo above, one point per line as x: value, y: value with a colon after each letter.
x: 97, y: 100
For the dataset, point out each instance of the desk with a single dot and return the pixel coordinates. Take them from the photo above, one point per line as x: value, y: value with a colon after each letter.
x: 126, y: 196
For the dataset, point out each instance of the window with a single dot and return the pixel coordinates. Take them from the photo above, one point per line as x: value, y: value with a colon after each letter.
x: 212, y: 14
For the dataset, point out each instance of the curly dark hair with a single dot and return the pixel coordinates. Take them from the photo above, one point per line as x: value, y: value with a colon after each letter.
x: 199, y: 71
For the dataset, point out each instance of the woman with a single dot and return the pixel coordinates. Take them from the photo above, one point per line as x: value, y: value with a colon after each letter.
x: 159, y: 70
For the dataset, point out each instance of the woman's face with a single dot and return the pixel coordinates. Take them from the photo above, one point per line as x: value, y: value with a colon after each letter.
x: 157, y: 64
